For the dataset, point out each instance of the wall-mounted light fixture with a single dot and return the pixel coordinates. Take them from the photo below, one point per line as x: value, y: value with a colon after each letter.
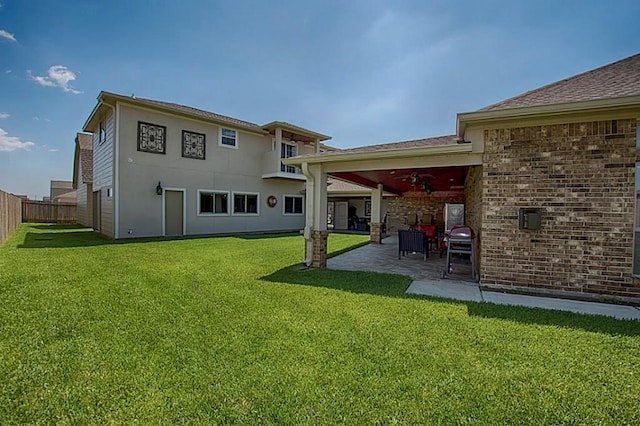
x: 159, y: 188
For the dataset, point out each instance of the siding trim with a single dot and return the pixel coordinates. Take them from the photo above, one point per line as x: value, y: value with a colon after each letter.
x: 116, y: 173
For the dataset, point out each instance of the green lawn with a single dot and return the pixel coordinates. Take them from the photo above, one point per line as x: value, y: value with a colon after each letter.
x: 233, y: 330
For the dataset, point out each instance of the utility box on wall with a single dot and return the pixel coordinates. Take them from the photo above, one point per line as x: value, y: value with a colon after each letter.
x: 530, y: 218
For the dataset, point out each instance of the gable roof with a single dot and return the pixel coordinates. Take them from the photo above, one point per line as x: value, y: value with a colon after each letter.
x: 618, y: 79
x: 110, y: 99
x: 416, y: 143
x: 338, y: 185
x: 83, y: 159
x: 201, y: 113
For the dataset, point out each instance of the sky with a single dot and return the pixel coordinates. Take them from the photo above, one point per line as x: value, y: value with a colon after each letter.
x: 362, y: 71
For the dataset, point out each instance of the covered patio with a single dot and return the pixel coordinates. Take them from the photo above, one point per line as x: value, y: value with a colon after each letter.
x: 422, y: 175
x: 384, y: 258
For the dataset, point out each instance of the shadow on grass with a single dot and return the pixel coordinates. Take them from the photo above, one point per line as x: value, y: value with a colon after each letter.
x: 391, y: 285
x: 65, y: 236
x: 58, y: 226
x: 547, y: 317
x: 257, y: 236
x: 85, y: 238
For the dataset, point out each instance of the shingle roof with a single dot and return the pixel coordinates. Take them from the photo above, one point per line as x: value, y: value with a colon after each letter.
x: 337, y: 185
x: 416, y: 143
x: 202, y: 113
x: 621, y: 78
x: 85, y: 144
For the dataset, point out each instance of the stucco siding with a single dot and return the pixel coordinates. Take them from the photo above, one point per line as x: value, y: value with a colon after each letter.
x: 223, y: 169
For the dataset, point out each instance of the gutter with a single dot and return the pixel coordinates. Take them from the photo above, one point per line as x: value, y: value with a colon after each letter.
x: 550, y: 110
x: 339, y: 156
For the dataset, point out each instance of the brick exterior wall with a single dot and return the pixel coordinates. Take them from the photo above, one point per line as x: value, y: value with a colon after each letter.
x: 582, y: 176
x: 376, y: 232
x: 402, y: 210
x: 319, y: 258
x: 473, y: 206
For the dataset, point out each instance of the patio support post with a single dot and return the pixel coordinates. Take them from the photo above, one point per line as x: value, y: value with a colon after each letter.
x: 317, y: 145
x: 315, y: 231
x: 376, y: 212
x: 279, y: 147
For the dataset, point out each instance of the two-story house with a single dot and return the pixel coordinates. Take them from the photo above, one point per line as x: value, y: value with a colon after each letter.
x: 163, y: 169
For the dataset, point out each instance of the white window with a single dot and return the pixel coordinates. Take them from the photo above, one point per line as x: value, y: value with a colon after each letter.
x: 212, y: 203
x: 245, y: 203
x: 228, y: 138
x: 288, y: 151
x: 293, y: 204
x: 103, y: 133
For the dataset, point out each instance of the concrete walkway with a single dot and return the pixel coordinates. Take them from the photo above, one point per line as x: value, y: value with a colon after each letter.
x: 427, y: 280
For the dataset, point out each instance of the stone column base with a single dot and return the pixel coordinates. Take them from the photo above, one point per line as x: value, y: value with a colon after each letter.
x: 376, y: 232
x: 319, y: 256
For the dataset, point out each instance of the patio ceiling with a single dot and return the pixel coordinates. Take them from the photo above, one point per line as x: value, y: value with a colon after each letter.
x: 399, y: 181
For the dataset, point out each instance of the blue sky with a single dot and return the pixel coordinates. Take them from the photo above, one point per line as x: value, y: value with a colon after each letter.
x: 363, y: 72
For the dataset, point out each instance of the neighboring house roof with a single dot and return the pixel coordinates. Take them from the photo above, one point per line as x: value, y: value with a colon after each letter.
x: 58, y: 188
x: 68, y: 197
x: 83, y: 157
x: 61, y: 184
x: 619, y: 79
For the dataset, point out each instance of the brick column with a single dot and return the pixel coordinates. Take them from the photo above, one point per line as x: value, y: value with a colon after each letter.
x: 319, y: 259
x: 376, y: 232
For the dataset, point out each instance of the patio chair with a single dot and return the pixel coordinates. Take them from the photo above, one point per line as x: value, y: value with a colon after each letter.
x: 413, y: 242
x: 431, y: 231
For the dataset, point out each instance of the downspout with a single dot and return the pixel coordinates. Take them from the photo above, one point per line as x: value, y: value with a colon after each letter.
x: 116, y: 173
x: 309, y: 213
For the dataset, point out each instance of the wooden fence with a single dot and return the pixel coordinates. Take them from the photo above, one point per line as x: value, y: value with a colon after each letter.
x: 45, y: 212
x: 10, y: 214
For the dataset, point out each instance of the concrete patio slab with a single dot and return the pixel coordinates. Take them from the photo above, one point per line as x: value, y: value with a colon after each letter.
x: 577, y: 306
x: 427, y: 281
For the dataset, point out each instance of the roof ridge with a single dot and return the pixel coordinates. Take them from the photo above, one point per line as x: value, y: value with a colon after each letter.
x: 224, y: 117
x: 405, y: 141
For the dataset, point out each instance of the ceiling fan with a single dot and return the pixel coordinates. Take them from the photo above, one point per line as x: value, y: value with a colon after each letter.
x: 419, y: 181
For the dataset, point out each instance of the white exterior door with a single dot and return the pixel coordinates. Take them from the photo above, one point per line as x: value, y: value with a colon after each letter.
x: 173, y: 213
x: 341, y: 215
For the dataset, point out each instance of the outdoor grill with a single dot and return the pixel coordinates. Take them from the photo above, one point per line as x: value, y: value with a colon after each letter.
x: 460, y: 241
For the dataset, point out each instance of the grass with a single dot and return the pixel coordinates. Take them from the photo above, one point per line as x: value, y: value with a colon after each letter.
x: 234, y: 331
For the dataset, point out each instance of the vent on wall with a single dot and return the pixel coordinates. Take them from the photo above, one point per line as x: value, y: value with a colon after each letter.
x: 530, y: 218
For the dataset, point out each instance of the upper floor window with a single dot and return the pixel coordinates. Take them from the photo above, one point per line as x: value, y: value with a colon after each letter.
x: 287, y: 151
x: 213, y: 202
x: 245, y: 203
x: 151, y: 138
x: 228, y: 137
x: 103, y: 132
x: 292, y: 204
x: 193, y: 145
